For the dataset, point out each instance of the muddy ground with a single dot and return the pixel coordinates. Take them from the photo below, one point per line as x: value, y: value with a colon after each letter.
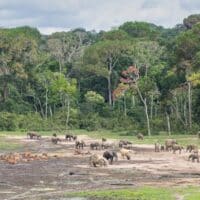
x: 51, y: 179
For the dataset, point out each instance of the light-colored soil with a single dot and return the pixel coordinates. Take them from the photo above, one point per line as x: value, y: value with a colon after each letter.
x: 52, y: 178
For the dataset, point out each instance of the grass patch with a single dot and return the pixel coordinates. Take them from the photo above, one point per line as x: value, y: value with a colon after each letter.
x: 194, y: 196
x: 122, y: 135
x: 119, y: 135
x: 10, y: 133
x: 145, y: 193
x: 7, y: 145
x: 190, y: 193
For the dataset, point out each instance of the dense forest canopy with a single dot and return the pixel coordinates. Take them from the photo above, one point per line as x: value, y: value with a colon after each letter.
x: 83, y: 79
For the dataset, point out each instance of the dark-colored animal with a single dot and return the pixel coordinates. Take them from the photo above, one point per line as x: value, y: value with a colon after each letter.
x: 162, y: 147
x: 79, y: 144
x: 103, y: 139
x: 193, y: 157
x: 191, y: 148
x: 169, y: 143
x: 123, y: 143
x: 74, y: 137
x: 176, y: 147
x: 157, y: 147
x: 107, y: 145
x: 54, y: 135
x: 33, y: 135
x: 69, y: 137
x: 55, y: 140
x: 140, y: 136
x: 110, y: 155
x: 95, y: 145
x: 128, y: 147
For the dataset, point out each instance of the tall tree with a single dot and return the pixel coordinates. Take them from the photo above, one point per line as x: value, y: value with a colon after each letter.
x: 102, y: 59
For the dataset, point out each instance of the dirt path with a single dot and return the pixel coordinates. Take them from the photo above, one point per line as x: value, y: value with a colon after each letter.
x: 68, y: 172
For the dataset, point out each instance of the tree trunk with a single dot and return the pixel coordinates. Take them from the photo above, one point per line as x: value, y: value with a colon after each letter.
x: 5, y: 91
x: 60, y: 65
x: 133, y: 101
x: 178, y: 115
x: 35, y: 105
x: 41, y: 109
x: 146, y: 110
x: 189, y: 105
x: 46, y: 103
x: 147, y: 117
x: 185, y: 113
x: 50, y: 111
x: 151, y: 109
x: 125, y: 110
x: 177, y: 108
x: 168, y: 124
x: 156, y: 107
x: 68, y: 113
x: 109, y: 89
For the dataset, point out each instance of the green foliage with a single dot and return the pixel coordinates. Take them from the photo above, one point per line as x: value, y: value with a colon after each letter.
x: 24, y: 31
x: 187, y: 43
x: 194, y: 78
x: 59, y: 119
x: 96, y: 57
x: 115, y: 35
x: 90, y: 122
x: 109, y: 123
x: 191, y: 20
x: 70, y: 78
x: 196, y: 104
x: 147, y: 54
x: 8, y: 121
x: 146, y: 84
x: 94, y: 98
x: 61, y: 84
x: 33, y: 121
x: 196, y: 61
x: 128, y: 194
x: 158, y: 124
x: 141, y: 29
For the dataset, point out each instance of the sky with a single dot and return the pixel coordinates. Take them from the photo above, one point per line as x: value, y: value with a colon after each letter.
x: 63, y: 15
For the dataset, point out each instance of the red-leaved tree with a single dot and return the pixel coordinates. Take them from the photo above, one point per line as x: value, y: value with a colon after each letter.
x: 129, y: 80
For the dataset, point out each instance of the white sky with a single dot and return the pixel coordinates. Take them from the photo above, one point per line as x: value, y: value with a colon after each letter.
x: 62, y: 15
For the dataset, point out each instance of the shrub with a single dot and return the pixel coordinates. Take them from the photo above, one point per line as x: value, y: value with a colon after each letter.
x: 109, y: 123
x: 90, y: 122
x: 8, y: 121
x: 59, y: 118
x: 33, y: 121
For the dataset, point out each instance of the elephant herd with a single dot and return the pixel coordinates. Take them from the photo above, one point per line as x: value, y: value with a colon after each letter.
x: 112, y: 149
